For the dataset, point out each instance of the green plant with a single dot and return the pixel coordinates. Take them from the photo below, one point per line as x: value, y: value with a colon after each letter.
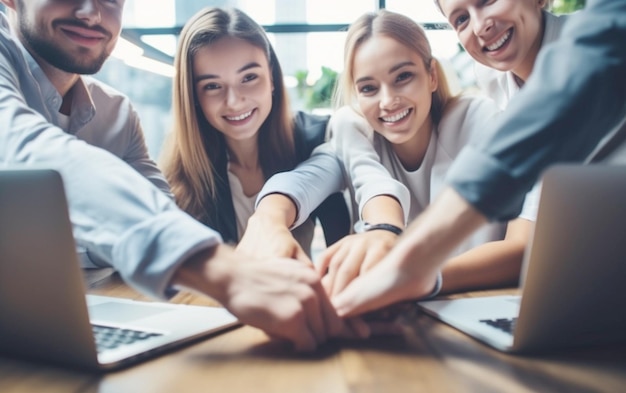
x: 567, y: 6
x: 322, y: 89
x: 319, y: 95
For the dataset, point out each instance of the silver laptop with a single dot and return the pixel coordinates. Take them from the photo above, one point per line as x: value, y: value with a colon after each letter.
x: 44, y: 312
x: 574, y: 274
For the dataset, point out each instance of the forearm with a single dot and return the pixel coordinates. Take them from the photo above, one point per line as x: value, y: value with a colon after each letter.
x: 497, y: 263
x: 492, y: 264
x: 383, y: 209
x: 308, y: 185
x: 276, y: 209
x: 368, y: 177
x: 426, y: 243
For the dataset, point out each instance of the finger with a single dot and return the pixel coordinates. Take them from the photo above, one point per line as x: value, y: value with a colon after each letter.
x: 348, y: 270
x: 333, y: 268
x: 300, y: 255
x: 313, y: 312
x: 322, y: 264
x: 332, y: 323
x: 367, y: 292
x: 372, y: 258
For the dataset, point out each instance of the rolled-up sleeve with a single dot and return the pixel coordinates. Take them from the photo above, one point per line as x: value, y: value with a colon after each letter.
x: 123, y: 219
x: 574, y: 98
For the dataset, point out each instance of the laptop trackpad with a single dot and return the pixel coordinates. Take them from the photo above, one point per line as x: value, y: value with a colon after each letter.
x: 122, y: 312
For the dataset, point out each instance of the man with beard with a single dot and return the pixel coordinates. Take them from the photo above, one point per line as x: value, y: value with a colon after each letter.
x: 53, y: 116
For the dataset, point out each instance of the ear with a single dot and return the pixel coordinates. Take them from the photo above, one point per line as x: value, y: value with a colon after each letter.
x: 434, y: 75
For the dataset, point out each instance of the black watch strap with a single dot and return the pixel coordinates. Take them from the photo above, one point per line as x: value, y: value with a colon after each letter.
x: 382, y: 226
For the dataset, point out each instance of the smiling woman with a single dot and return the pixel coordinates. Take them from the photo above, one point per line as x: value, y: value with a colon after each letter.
x: 233, y: 128
x: 414, y: 131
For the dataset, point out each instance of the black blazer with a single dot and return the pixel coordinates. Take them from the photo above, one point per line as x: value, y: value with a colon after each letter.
x: 333, y: 213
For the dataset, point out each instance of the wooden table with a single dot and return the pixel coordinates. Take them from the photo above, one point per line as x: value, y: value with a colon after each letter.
x: 430, y: 357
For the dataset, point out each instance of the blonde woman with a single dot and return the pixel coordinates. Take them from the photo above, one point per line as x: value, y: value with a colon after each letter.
x: 415, y: 129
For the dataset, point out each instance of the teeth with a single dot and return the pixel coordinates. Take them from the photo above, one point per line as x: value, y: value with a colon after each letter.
x: 500, y: 42
x: 394, y: 118
x: 240, y: 117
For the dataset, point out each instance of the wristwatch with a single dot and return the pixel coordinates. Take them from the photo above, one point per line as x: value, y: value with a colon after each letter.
x: 385, y: 227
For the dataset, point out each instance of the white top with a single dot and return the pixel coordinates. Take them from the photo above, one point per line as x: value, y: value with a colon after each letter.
x: 501, y: 86
x: 243, y: 204
x: 463, y: 120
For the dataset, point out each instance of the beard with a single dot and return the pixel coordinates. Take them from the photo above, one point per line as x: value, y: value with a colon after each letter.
x: 55, y: 55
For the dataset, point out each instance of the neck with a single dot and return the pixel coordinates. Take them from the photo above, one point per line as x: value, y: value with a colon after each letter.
x: 244, y: 154
x: 61, y: 80
x: 411, y: 153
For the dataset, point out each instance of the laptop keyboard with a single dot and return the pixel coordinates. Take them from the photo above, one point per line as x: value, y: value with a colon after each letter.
x: 108, y: 337
x: 505, y: 324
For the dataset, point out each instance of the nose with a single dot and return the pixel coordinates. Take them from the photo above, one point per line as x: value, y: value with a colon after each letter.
x: 232, y: 97
x: 388, y: 98
x: 482, y: 23
x: 88, y: 11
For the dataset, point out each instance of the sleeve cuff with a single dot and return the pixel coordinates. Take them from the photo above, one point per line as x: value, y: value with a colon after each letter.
x: 149, y: 253
x: 437, y: 288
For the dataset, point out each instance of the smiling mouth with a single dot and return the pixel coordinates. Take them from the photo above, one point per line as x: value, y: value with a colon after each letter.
x: 498, y: 44
x: 243, y: 116
x: 397, y: 117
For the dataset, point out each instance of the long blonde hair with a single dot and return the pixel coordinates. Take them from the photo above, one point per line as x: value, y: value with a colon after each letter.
x: 195, y: 148
x: 405, y: 31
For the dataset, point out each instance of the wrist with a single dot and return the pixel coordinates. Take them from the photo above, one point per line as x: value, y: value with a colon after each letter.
x: 208, y: 272
x: 367, y: 227
x: 437, y: 288
x: 277, y: 208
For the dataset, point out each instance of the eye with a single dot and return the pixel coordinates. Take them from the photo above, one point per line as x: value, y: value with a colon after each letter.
x: 366, y: 89
x: 211, y: 87
x: 459, y: 21
x: 404, y: 76
x: 249, y: 77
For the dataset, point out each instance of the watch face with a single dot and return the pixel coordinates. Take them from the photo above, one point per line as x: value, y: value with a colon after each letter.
x: 360, y: 226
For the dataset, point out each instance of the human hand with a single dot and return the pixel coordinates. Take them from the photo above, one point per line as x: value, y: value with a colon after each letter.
x: 386, y: 284
x: 410, y: 269
x: 267, y: 233
x: 343, y: 261
x: 266, y: 238
x: 278, y: 295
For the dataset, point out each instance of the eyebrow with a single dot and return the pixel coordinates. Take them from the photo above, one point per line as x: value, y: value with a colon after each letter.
x: 391, y: 71
x: 252, y: 64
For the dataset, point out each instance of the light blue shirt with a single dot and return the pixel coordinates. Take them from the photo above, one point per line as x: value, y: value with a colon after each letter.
x: 121, y: 208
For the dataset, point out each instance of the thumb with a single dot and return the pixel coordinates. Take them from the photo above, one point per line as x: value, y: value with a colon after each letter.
x: 300, y: 255
x: 365, y: 293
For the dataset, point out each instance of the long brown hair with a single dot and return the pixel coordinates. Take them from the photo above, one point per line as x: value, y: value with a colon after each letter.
x: 195, y: 147
x: 405, y: 31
